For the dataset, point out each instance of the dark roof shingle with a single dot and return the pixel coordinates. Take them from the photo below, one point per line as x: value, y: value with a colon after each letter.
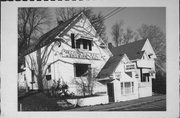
x: 132, y: 50
x: 110, y: 66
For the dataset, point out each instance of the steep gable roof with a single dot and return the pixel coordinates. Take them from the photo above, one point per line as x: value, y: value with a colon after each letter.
x: 50, y: 36
x: 110, y: 66
x: 132, y: 50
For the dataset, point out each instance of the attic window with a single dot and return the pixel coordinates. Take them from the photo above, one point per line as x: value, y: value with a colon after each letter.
x: 81, y: 43
x: 84, y: 44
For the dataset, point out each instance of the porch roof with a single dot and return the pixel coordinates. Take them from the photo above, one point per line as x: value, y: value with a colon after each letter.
x: 109, y: 67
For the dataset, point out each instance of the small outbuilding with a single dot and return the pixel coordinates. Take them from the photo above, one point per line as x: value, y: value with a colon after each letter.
x: 129, y: 72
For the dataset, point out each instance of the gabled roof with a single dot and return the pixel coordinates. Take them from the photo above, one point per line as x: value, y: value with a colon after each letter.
x: 110, y: 66
x: 50, y: 36
x: 132, y: 50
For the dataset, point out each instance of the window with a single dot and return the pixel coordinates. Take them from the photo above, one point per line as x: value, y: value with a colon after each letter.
x: 122, y: 88
x: 81, y: 69
x: 132, y: 83
x: 145, y: 77
x: 127, y: 88
x: 83, y: 44
x: 49, y: 69
x: 32, y: 75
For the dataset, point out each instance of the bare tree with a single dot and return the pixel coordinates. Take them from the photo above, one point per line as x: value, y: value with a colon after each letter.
x: 117, y: 33
x: 30, y: 24
x: 64, y: 14
x: 38, y: 63
x: 158, y: 41
x: 128, y: 35
x: 86, y: 83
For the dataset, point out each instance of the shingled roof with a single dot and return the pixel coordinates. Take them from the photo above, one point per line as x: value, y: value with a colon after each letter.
x: 110, y: 66
x: 132, y: 50
x: 50, y: 36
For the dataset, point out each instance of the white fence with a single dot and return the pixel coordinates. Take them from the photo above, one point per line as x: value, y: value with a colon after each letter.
x: 89, y: 100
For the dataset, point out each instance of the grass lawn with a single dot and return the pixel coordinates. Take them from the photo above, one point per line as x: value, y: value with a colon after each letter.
x: 39, y: 102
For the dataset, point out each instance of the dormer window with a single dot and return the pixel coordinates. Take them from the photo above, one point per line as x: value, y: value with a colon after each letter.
x: 81, y: 43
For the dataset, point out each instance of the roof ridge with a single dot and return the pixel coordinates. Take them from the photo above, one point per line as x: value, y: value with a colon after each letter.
x: 42, y: 38
x: 133, y: 42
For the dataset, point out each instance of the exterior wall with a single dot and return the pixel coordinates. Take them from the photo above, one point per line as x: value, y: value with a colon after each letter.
x: 124, y: 78
x: 62, y: 68
x: 21, y: 80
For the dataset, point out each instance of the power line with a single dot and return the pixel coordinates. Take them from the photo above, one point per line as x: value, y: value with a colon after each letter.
x: 111, y: 12
x: 109, y: 15
x: 115, y: 13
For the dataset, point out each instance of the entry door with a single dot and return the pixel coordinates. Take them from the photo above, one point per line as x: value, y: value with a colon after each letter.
x: 110, y: 88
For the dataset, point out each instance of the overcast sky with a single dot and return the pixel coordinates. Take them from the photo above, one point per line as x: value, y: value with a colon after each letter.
x: 134, y: 17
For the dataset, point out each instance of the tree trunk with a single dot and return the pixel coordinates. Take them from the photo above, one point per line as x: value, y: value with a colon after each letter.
x: 40, y: 76
x: 40, y: 83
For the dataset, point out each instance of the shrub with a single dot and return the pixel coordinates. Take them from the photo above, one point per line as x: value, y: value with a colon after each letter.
x: 159, y: 84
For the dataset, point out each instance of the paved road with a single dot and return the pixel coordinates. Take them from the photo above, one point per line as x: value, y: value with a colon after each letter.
x: 152, y: 103
x: 159, y: 105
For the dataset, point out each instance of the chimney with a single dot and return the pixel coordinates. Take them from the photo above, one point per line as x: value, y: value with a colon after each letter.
x: 72, y: 40
x: 110, y: 46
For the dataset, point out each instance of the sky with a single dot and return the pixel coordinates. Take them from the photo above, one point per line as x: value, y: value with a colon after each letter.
x: 134, y: 17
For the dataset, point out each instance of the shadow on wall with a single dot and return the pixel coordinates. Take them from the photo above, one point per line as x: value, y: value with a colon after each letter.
x: 159, y: 84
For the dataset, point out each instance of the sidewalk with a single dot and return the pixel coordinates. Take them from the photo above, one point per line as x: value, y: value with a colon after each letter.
x: 120, y: 105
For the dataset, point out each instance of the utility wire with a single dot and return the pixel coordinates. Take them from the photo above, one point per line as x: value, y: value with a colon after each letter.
x: 111, y: 12
x: 114, y: 13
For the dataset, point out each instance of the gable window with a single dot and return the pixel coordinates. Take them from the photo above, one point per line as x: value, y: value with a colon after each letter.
x: 81, y: 43
x: 84, y: 44
x: 81, y: 69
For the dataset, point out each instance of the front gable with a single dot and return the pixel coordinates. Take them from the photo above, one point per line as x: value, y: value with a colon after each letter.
x: 149, y: 51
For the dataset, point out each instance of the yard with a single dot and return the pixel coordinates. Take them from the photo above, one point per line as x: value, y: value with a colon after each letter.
x: 39, y: 101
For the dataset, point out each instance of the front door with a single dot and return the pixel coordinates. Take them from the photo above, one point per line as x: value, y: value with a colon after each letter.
x: 110, y: 88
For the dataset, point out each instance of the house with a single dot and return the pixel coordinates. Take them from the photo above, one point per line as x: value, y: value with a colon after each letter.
x: 129, y: 72
x: 65, y: 54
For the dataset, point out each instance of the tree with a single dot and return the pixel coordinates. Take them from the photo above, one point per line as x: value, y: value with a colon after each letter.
x: 117, y: 33
x: 128, y: 35
x: 64, y: 14
x: 86, y: 83
x: 30, y: 26
x: 38, y: 63
x: 158, y: 41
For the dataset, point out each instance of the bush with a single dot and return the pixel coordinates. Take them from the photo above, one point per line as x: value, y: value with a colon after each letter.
x: 159, y: 84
